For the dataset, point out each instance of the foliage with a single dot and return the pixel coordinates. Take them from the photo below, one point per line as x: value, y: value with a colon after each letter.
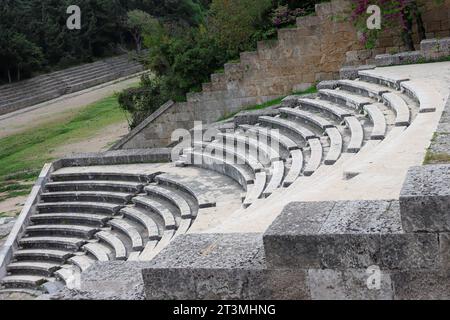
x: 284, y: 16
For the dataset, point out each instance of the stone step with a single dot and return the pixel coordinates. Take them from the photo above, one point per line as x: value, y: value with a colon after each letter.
x: 42, y: 254
x: 256, y: 190
x: 172, y: 197
x: 84, y: 207
x: 23, y: 281
x: 130, y: 231
x: 345, y: 98
x: 62, y: 230
x: 368, y: 89
x: 99, y: 251
x: 70, y: 217
x: 378, y: 120
x: 52, y: 242
x: 157, y: 207
x: 115, y: 242
x: 273, y: 135
x: 400, y: 107
x: 33, y: 267
x: 308, y: 117
x: 295, y: 169
x: 357, y: 134
x: 325, y: 106
x: 145, y: 220
x: 288, y: 125
x: 276, y: 180
x: 83, y: 262
x: 165, y: 240
x: 423, y: 93
x: 336, y: 144
x: 95, y: 185
x: 202, y: 200
x: 316, y: 157
x: 87, y: 196
x: 379, y: 77
x: 68, y: 275
x: 100, y: 176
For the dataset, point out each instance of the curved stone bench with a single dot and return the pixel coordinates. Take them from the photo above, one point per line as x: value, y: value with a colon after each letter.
x: 400, y: 107
x: 291, y: 126
x: 203, y: 201
x: 378, y: 120
x: 146, y: 221
x: 70, y: 243
x: 165, y: 240
x: 158, y: 208
x: 42, y: 254
x: 88, y: 207
x: 308, y: 117
x: 316, y: 157
x: 336, y: 144
x: 119, y: 248
x: 273, y: 135
x: 295, y: 169
x: 85, y: 232
x: 95, y: 185
x: 97, y: 250
x: 389, y: 81
x: 173, y: 198
x: 423, y: 93
x: 130, y: 231
x: 83, y: 262
x: 326, y: 106
x: 44, y: 268
x: 87, y: 196
x: 254, y: 145
x: 23, y: 281
x: 368, y: 89
x: 67, y: 275
x: 71, y: 217
x: 277, y: 172
x: 113, y: 176
x: 357, y: 134
x: 184, y: 226
x: 256, y: 190
x: 345, y: 98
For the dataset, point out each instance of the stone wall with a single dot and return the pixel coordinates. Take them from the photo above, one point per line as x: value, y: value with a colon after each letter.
x: 313, y: 51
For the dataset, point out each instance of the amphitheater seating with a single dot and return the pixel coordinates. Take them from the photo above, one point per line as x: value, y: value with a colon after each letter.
x: 47, y: 87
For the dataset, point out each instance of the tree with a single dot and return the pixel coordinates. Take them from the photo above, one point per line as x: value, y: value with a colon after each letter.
x: 138, y: 23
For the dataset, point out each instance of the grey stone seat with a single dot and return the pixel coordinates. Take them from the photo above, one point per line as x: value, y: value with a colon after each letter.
x: 83, y: 262
x: 400, y: 107
x: 325, y: 106
x: 172, y: 197
x: 316, y: 120
x: 95, y: 185
x: 273, y: 135
x: 130, y: 231
x: 296, y: 167
x: 115, y: 242
x: 23, y: 281
x: 87, y: 196
x: 276, y: 180
x: 336, y: 144
x: 88, y: 207
x: 288, y: 125
x: 145, y: 220
x: 33, y: 267
x: 100, y: 176
x: 256, y: 190
x: 157, y: 207
x: 316, y: 157
x: 42, y: 254
x: 422, y: 92
x: 70, y: 217
x: 371, y: 90
x: 392, y: 81
x: 345, y: 98
x: 69, y: 243
x: 85, y: 232
x: 378, y: 120
x: 99, y: 251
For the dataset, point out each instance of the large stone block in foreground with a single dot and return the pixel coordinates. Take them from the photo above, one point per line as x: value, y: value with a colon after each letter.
x: 425, y: 199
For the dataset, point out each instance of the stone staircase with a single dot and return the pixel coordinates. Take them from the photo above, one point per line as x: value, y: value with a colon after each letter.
x: 50, y: 86
x: 86, y: 215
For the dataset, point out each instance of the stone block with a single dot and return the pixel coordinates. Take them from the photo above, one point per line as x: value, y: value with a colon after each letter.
x: 421, y: 285
x: 425, y: 199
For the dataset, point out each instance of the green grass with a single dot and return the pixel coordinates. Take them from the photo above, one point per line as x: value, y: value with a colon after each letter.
x: 436, y: 158
x: 22, y: 155
x: 267, y: 104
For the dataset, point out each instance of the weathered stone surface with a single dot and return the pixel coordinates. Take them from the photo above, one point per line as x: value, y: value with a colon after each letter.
x: 425, y: 199
x: 421, y: 285
x: 6, y: 225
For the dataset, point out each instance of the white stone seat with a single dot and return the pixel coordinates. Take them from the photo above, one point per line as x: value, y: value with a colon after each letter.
x: 64, y: 242
x: 372, y: 90
x: 277, y: 171
x: 374, y: 76
x: 157, y: 207
x: 326, y: 106
x: 400, y: 107
x: 97, y: 250
x: 273, y: 135
x: 82, y: 261
x: 172, y: 197
x: 423, y: 93
x: 130, y: 231
x: 97, y: 185
x: 23, y: 281
x: 292, y: 126
x: 345, y: 98
x: 357, y: 134
x: 40, y: 267
x: 115, y: 242
x: 96, y: 207
x: 257, y: 189
x: 82, y: 218
x: 316, y: 157
x: 150, y: 225
x: 296, y: 167
x: 336, y: 144
x: 378, y: 120
x: 62, y: 229
x: 311, y: 118
x: 87, y: 196
x: 42, y: 254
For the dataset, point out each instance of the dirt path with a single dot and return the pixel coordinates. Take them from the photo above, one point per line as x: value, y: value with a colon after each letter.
x: 58, y: 109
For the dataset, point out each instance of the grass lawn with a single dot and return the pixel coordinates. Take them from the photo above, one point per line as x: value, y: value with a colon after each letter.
x: 23, y: 155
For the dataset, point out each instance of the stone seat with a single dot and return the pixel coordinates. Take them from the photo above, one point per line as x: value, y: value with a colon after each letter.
x: 345, y: 98
x: 325, y: 106
x: 368, y: 89
x: 85, y: 232
x: 316, y: 157
x: 373, y: 76
x: 273, y: 135
x: 33, y: 267
x: 256, y: 190
x: 23, y: 281
x: 69, y: 217
x: 145, y: 220
x: 67, y: 275
x: 256, y: 145
x: 157, y: 207
x: 99, y: 251
x: 295, y: 169
x: 95, y: 185
x: 288, y: 125
x: 69, y: 243
x: 423, y: 93
x: 167, y: 237
x: 336, y: 144
x: 42, y: 254
x: 130, y: 231
x: 378, y: 120
x: 308, y: 117
x: 115, y: 242
x: 202, y: 200
x: 101, y: 176
x: 276, y: 180
x: 172, y: 197
x: 91, y: 207
x: 87, y: 196
x: 357, y: 134
x: 400, y: 107
x: 83, y: 262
